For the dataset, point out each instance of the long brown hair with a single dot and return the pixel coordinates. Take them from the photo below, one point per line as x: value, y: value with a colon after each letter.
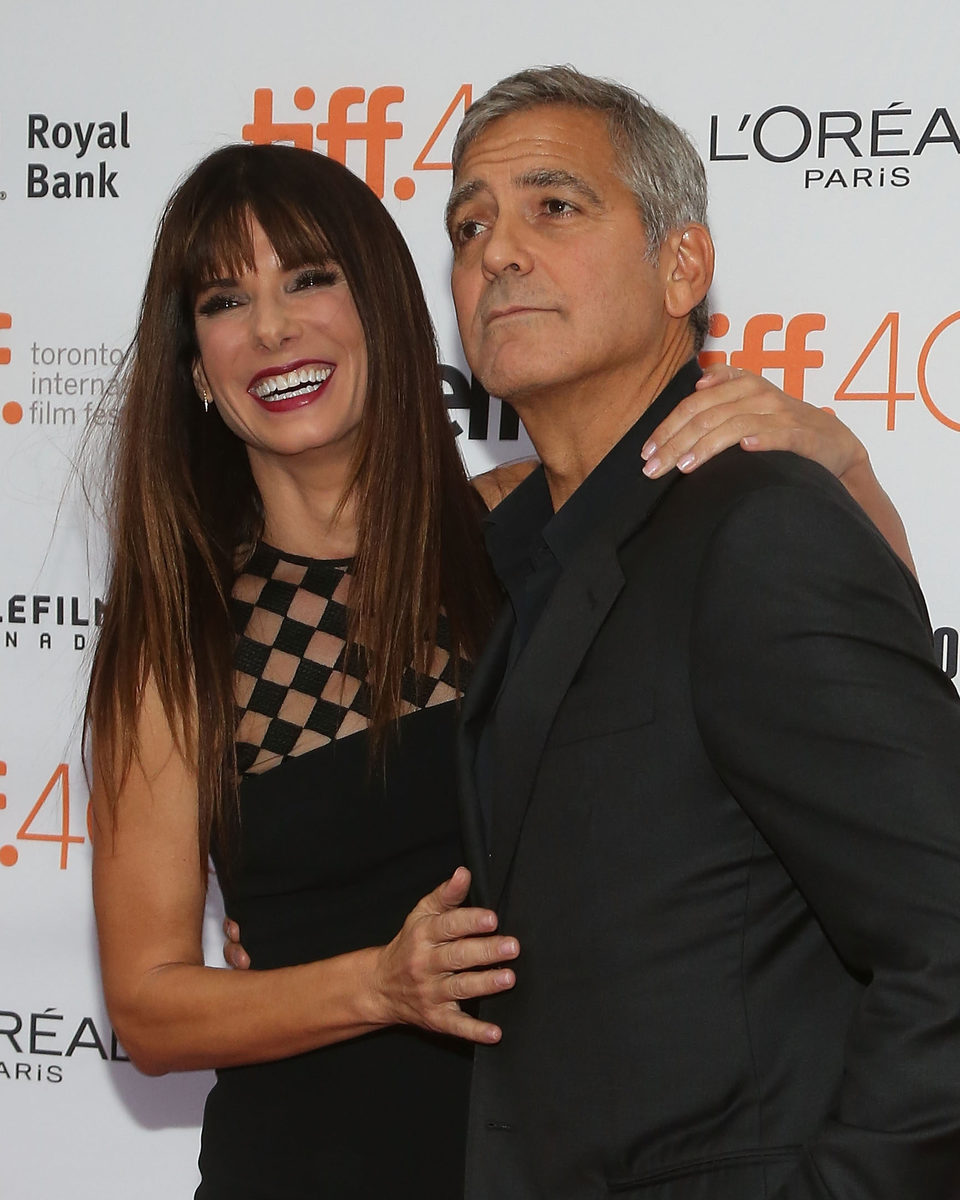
x: 184, y: 503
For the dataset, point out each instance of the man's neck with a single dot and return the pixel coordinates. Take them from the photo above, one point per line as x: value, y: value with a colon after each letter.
x: 573, y: 429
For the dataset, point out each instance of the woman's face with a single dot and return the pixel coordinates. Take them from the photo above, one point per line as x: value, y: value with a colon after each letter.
x: 283, y: 356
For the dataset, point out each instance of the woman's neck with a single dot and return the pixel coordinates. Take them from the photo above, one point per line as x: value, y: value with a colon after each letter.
x: 306, y: 512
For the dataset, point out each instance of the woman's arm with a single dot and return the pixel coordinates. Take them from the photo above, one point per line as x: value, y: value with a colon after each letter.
x: 731, y: 406
x: 173, y: 1013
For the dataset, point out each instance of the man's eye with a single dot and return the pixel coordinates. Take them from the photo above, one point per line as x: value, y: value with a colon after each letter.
x: 466, y: 231
x: 558, y: 208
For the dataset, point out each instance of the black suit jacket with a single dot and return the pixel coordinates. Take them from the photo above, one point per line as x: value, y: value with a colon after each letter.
x: 726, y: 831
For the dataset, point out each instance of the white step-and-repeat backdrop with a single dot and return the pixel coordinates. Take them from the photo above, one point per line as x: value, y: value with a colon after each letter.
x: 831, y: 133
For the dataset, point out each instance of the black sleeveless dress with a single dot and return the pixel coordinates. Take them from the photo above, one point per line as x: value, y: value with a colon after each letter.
x: 334, y: 853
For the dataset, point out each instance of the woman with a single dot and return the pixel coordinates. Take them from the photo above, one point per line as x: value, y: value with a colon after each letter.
x: 298, y: 585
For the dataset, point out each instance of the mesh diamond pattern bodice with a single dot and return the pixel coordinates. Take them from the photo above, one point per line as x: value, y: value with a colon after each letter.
x: 297, y: 686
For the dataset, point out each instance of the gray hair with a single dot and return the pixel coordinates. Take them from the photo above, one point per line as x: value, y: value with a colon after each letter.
x: 655, y: 158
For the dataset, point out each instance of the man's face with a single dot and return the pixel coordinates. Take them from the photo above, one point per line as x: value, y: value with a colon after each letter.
x: 550, y: 280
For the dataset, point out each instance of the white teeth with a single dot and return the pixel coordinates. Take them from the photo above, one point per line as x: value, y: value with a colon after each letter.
x: 277, y: 387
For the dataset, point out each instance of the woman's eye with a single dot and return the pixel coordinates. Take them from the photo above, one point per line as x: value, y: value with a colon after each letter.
x: 315, y: 277
x: 218, y: 302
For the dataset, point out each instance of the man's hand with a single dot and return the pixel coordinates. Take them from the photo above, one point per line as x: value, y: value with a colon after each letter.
x: 732, y: 406
x: 444, y: 954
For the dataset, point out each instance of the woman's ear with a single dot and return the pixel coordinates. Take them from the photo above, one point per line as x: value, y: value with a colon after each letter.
x: 201, y: 384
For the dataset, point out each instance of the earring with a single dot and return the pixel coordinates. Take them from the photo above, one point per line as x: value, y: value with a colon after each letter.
x: 205, y: 397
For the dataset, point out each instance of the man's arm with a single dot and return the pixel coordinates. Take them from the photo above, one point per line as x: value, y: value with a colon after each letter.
x: 822, y: 708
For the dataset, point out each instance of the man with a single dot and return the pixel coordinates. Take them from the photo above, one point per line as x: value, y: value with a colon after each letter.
x: 710, y: 767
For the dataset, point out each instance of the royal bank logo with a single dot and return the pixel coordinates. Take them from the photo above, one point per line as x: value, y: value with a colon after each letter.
x: 51, y: 141
x: 836, y: 149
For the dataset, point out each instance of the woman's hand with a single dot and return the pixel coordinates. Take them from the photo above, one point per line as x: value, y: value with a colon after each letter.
x: 233, y: 952
x: 731, y: 406
x: 432, y: 964
x: 444, y: 954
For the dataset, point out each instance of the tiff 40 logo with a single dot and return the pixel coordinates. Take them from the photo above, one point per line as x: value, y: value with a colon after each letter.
x: 48, y: 819
x: 792, y: 354
x: 355, y: 117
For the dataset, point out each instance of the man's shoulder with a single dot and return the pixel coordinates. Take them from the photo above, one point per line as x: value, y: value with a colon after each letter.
x: 737, y: 471
x: 775, y: 513
x: 761, y: 506
x: 770, y: 479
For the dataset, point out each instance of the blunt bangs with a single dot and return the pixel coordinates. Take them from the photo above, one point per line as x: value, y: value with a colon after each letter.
x: 221, y: 242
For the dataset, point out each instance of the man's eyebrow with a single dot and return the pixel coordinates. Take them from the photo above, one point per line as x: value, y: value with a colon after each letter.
x: 556, y: 177
x: 461, y: 194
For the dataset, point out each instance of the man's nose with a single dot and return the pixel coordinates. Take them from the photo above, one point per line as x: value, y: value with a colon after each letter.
x: 507, y: 247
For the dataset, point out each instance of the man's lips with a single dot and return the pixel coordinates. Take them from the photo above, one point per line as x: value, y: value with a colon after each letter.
x: 512, y: 310
x: 293, y: 385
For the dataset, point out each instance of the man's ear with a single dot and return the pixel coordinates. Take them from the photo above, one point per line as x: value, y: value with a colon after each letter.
x: 687, y: 255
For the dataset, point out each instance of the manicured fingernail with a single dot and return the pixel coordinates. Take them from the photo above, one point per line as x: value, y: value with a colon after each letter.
x: 504, y: 978
x: 686, y: 462
x: 750, y: 441
x: 509, y: 947
x: 651, y: 468
x: 648, y: 449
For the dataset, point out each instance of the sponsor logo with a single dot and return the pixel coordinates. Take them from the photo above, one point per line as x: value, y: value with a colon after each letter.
x: 946, y: 645
x: 47, y: 820
x: 70, y: 386
x: 839, y: 149
x: 12, y: 412
x: 356, y: 130
x: 772, y: 342
x: 48, y: 620
x: 794, y: 357
x: 29, y: 1040
x: 94, y: 180
x: 473, y: 399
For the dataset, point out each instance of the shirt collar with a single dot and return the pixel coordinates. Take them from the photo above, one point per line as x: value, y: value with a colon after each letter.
x: 514, y: 528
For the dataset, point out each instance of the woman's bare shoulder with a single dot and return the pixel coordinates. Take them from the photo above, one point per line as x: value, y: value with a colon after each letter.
x: 497, y: 484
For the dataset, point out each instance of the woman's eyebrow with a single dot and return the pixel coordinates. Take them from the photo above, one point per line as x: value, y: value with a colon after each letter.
x: 206, y: 284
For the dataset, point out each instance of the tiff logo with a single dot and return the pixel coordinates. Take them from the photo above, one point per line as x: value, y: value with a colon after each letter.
x: 339, y: 129
x: 794, y: 358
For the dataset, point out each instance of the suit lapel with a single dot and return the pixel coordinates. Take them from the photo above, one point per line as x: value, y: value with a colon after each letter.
x: 534, y: 691
x: 486, y: 681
